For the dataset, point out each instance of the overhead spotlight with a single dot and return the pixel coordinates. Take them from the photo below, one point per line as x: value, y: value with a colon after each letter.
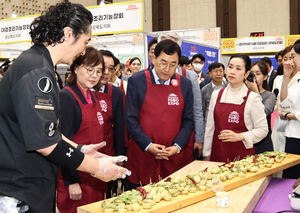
x: 14, y: 15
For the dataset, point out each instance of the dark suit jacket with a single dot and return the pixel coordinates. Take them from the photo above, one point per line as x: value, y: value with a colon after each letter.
x: 271, y: 80
x: 206, y: 93
x: 207, y: 79
x: 136, y: 93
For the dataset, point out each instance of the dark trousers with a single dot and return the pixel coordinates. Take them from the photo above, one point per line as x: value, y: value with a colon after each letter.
x: 292, y: 146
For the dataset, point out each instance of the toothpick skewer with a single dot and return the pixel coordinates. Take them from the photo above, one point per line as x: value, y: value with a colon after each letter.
x: 141, y: 183
x: 104, y: 195
x: 150, y: 181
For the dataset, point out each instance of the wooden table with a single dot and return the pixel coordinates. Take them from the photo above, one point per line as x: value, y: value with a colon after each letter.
x: 244, y: 192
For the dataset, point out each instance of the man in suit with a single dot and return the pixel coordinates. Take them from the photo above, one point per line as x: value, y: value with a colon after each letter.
x: 271, y: 73
x: 216, y: 72
x: 198, y: 139
x: 159, y: 118
x: 198, y: 62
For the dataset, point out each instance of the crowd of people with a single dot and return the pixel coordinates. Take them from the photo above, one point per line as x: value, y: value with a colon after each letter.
x: 139, y: 125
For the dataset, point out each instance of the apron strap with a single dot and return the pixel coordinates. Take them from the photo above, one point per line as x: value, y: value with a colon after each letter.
x: 74, y: 94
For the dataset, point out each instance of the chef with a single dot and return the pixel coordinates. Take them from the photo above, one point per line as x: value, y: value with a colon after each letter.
x: 30, y: 139
x: 159, y: 117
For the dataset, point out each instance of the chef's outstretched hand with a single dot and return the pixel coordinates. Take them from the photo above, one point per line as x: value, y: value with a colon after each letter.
x: 230, y: 136
x: 109, y: 170
x: 92, y: 150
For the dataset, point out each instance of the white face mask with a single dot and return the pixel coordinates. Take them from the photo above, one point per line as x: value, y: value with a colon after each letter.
x: 198, y: 67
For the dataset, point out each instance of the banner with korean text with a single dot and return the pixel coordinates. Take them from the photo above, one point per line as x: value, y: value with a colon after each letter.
x: 189, y: 49
x: 253, y: 45
x: 124, y: 17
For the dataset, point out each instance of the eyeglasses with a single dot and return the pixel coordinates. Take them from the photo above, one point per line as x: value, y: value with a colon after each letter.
x: 217, y: 71
x: 91, y: 71
x: 164, y: 65
x: 110, y: 69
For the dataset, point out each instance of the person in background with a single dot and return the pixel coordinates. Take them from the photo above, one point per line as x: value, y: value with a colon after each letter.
x: 159, y: 117
x: 278, y: 136
x: 80, y: 123
x: 279, y: 57
x: 236, y: 119
x: 58, y: 78
x: 197, y: 137
x: 198, y: 62
x: 115, y: 80
x: 259, y: 85
x: 4, y: 67
x: 122, y: 85
x: 30, y: 139
x: 135, y: 65
x: 151, y: 47
x: 291, y: 100
x: 123, y: 68
x: 1, y: 74
x: 216, y: 72
x: 279, y: 71
x: 112, y: 104
x: 271, y: 72
x: 185, y: 63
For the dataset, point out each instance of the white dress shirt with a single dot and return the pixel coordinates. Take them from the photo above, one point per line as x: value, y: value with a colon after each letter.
x: 117, y: 83
x: 254, y: 116
x: 156, y: 78
x: 292, y: 101
x: 278, y: 137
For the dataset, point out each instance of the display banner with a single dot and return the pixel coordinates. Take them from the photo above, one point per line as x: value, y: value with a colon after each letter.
x: 253, y: 45
x: 15, y: 30
x: 111, y: 19
x: 290, y: 39
x: 115, y: 18
x: 207, y: 36
x: 189, y: 49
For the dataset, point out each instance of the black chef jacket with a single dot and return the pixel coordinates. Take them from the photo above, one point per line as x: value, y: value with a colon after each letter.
x: 29, y: 120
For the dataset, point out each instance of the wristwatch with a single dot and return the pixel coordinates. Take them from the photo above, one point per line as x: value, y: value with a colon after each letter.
x: 178, y: 149
x: 286, y: 116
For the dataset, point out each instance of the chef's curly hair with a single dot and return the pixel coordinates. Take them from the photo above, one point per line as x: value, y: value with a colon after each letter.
x: 49, y: 27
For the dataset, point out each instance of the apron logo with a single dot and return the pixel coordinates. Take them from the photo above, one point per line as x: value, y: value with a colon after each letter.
x: 174, y: 82
x: 173, y: 99
x: 103, y: 105
x: 100, y: 118
x: 45, y: 84
x: 234, y: 117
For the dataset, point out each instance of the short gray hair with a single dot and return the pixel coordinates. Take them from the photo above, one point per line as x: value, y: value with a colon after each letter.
x: 168, y: 35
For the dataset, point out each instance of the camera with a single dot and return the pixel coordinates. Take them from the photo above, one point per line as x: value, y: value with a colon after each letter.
x: 250, y: 77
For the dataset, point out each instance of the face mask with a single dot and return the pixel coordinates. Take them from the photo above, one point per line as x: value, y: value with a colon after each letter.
x: 198, y: 67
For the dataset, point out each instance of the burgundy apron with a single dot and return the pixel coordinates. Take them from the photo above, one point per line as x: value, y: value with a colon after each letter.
x: 106, y: 109
x: 189, y: 148
x: 231, y: 117
x: 160, y: 118
x: 90, y: 132
x: 125, y: 128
